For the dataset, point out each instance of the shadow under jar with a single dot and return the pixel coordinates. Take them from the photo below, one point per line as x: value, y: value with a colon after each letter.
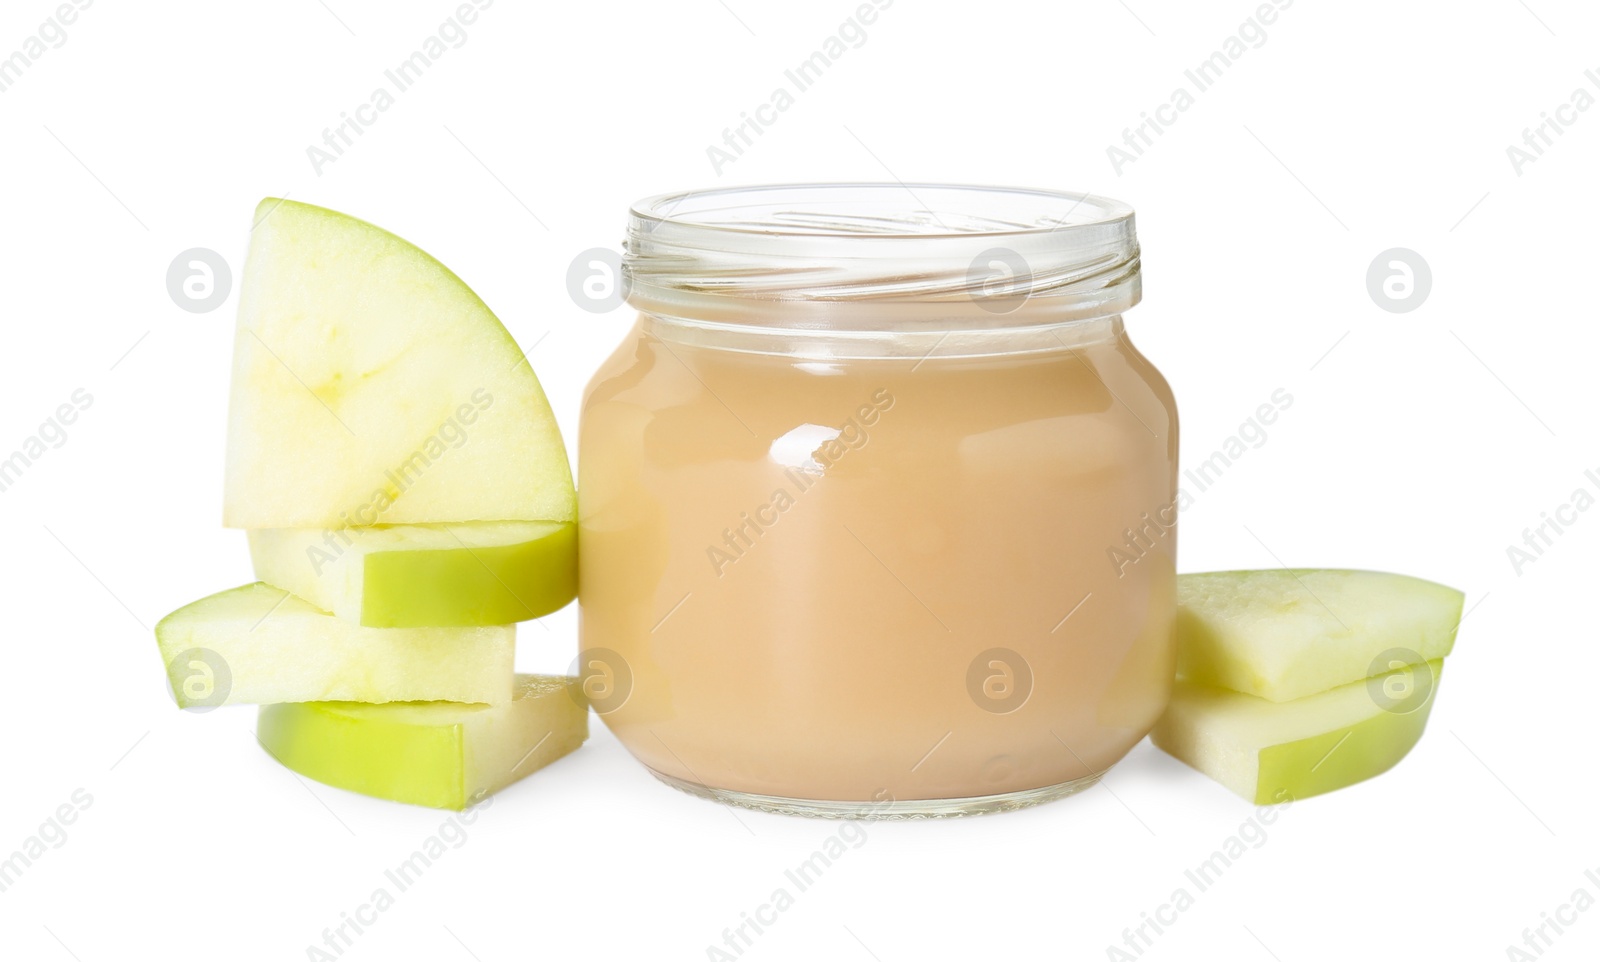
x: 877, y: 501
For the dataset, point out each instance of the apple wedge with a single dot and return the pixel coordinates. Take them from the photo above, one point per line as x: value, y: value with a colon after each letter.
x: 1269, y: 752
x: 425, y: 575
x: 370, y: 385
x: 437, y: 754
x: 258, y: 645
x: 1283, y: 634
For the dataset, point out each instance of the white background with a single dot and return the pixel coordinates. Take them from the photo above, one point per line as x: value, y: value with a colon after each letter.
x: 1422, y: 442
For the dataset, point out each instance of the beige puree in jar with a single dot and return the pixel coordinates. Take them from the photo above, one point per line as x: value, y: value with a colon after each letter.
x: 931, y: 562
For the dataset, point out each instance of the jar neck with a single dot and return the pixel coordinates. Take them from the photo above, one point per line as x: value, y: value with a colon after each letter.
x: 913, y: 345
x: 882, y: 258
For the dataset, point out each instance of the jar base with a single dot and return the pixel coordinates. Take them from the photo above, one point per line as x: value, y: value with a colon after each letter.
x: 887, y: 810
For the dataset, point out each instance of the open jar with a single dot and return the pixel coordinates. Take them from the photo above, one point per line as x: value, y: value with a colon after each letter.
x: 877, y: 501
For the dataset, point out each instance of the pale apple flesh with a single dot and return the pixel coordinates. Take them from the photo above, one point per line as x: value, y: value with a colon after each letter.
x: 1282, y: 634
x: 258, y: 644
x: 1268, y: 752
x: 437, y: 754
x: 371, y: 385
x: 407, y: 576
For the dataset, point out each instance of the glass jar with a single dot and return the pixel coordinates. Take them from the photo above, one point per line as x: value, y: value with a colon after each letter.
x: 877, y: 501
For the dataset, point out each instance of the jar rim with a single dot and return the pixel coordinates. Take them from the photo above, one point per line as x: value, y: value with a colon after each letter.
x: 795, y: 255
x: 680, y: 207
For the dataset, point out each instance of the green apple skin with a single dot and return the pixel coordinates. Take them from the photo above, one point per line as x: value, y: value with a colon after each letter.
x: 471, y: 586
x: 1269, y: 752
x: 371, y: 385
x: 415, y: 576
x: 437, y: 754
x: 1343, y: 757
x: 272, y: 646
x: 368, y: 754
x: 1282, y: 634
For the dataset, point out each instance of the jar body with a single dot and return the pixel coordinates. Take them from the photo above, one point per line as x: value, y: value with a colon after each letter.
x: 892, y: 583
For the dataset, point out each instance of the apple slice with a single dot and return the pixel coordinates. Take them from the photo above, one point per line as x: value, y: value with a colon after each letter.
x: 422, y: 575
x: 258, y: 644
x: 1284, y: 634
x: 371, y: 385
x: 1271, y: 752
x: 429, y: 753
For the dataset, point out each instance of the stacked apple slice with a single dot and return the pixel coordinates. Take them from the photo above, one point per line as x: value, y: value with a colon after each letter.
x: 1293, y: 683
x: 407, y: 498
